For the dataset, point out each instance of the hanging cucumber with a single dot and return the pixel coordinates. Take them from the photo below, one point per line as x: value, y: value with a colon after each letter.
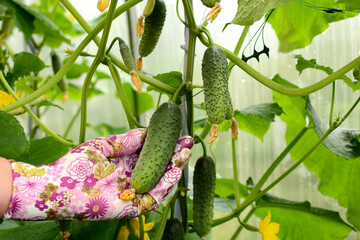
x: 62, y: 84
x: 214, y: 72
x: 161, y: 138
x: 215, y: 9
x: 173, y: 230
x: 154, y: 24
x: 147, y: 11
x: 129, y: 63
x: 204, y: 192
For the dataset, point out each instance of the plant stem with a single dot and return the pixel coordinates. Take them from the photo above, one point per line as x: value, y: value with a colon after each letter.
x: 332, y: 105
x: 72, y: 122
x: 116, y: 77
x: 280, y: 88
x: 198, y: 139
x: 161, y: 225
x: 124, y: 7
x: 141, y: 223
x: 238, y: 230
x: 205, y: 130
x: 177, y: 93
x: 235, y: 173
x: 33, y: 115
x: 276, y: 163
x: 100, y: 55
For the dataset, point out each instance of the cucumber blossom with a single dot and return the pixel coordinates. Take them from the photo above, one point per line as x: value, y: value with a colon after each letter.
x: 204, y: 192
x: 161, y: 138
x: 215, y: 9
x: 173, y: 230
x: 154, y: 24
x: 56, y: 66
x: 210, y: 3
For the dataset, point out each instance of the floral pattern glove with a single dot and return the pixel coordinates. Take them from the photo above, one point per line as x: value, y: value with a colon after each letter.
x: 87, y: 182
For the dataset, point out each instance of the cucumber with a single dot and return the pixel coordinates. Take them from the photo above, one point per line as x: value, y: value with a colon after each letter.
x: 204, y: 192
x: 126, y: 55
x: 173, y: 230
x: 154, y: 24
x: 215, y: 77
x: 56, y: 66
x: 210, y: 3
x: 161, y: 138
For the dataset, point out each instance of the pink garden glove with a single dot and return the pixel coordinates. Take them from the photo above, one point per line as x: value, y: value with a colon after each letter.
x: 87, y: 182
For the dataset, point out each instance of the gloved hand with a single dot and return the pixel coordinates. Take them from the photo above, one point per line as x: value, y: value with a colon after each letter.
x: 86, y: 183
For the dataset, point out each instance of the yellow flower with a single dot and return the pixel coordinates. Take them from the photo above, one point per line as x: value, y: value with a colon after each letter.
x: 124, y: 232
x: 102, y: 5
x: 269, y: 229
x: 6, y: 99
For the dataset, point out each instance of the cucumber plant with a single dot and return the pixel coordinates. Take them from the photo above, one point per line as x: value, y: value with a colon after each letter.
x: 26, y: 88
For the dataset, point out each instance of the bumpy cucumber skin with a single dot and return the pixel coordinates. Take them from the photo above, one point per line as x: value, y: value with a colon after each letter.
x: 209, y: 3
x: 215, y: 77
x: 126, y: 55
x: 204, y: 192
x: 173, y: 230
x: 154, y: 24
x: 161, y: 138
x: 56, y: 66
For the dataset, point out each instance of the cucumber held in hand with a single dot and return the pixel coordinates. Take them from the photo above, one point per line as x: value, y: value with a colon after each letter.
x: 173, y: 230
x: 161, y: 138
x: 204, y: 192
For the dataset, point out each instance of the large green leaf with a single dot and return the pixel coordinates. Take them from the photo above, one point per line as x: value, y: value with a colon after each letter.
x: 46, y: 150
x: 350, y: 5
x: 343, y: 142
x: 77, y: 69
x: 339, y: 178
x: 95, y: 230
x: 15, y: 144
x: 32, y: 231
x: 105, y: 130
x: 299, y: 220
x: 296, y: 25
x: 225, y: 188
x: 250, y: 11
x: 26, y: 63
x: 255, y: 119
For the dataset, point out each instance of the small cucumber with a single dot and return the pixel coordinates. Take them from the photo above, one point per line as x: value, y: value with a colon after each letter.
x: 161, y: 138
x: 204, y: 192
x: 126, y: 55
x: 56, y: 66
x: 209, y: 3
x: 215, y: 77
x: 173, y: 230
x: 154, y: 24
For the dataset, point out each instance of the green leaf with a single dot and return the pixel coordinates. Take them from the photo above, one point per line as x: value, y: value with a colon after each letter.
x: 223, y: 206
x: 94, y: 230
x: 250, y: 11
x: 26, y: 63
x: 296, y: 25
x: 139, y: 102
x: 48, y: 103
x: 255, y: 119
x: 303, y: 64
x: 105, y: 130
x: 350, y: 5
x: 343, y: 142
x: 23, y: 19
x: 299, y: 220
x: 16, y: 146
x: 225, y: 188
x: 31, y: 231
x: 200, y: 123
x: 173, y: 79
x: 77, y: 70
x: 46, y: 150
x: 356, y: 72
x: 339, y: 178
x: 74, y: 91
